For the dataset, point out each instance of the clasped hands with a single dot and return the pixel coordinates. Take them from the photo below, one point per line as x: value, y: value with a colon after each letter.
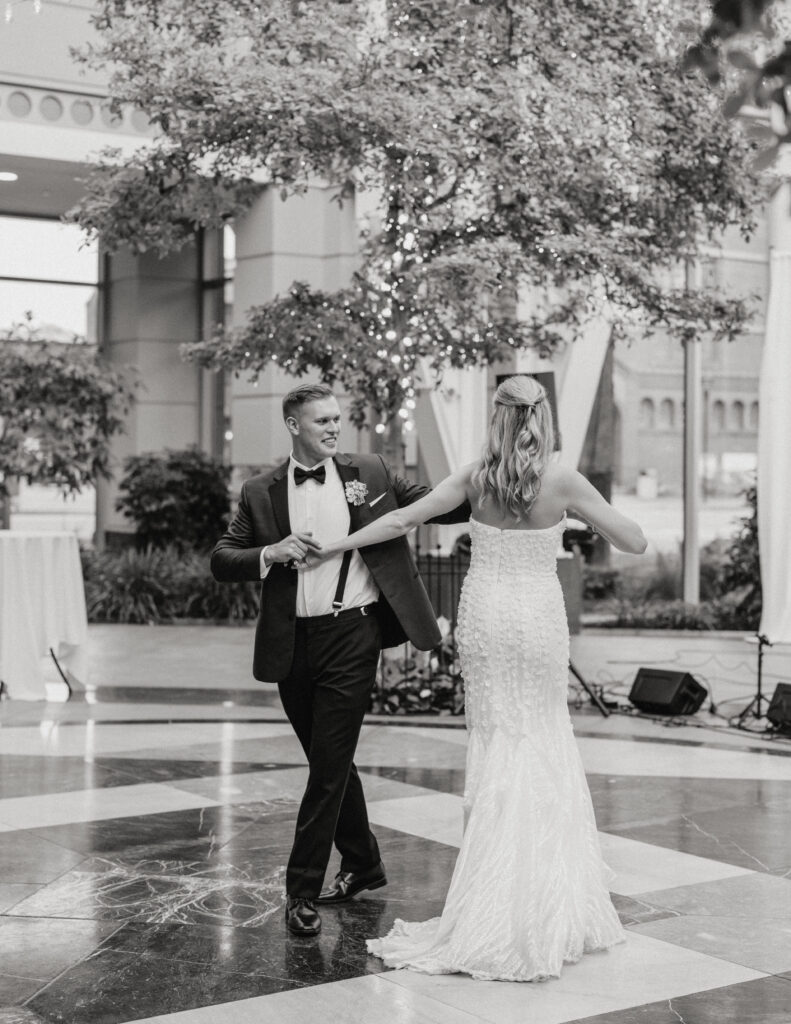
x: 295, y: 549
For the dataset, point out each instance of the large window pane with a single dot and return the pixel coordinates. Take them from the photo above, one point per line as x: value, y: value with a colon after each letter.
x: 59, y: 310
x: 45, y: 249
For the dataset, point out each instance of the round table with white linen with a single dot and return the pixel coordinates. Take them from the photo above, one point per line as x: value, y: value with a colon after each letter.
x: 42, y: 610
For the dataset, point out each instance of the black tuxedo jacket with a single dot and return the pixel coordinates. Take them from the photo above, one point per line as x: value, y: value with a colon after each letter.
x: 262, y: 518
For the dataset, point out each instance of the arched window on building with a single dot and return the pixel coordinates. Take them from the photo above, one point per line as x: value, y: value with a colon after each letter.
x: 737, y: 415
x: 647, y: 414
x: 718, y: 415
x: 667, y: 414
x: 753, y: 416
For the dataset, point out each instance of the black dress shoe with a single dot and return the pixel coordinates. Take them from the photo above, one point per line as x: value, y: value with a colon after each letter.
x: 349, y: 883
x: 302, y: 918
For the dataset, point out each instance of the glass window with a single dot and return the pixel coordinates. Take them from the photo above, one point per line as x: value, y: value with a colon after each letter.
x: 46, y: 250
x: 667, y: 413
x: 59, y: 310
x: 753, y: 416
x: 737, y: 415
x: 647, y: 413
x: 718, y: 415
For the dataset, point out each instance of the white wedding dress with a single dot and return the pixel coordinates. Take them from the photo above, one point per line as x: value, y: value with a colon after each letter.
x: 529, y: 890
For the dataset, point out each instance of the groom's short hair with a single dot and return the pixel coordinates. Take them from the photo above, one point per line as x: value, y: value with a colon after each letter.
x: 297, y: 397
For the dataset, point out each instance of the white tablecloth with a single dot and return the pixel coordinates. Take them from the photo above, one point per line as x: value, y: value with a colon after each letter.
x: 42, y: 606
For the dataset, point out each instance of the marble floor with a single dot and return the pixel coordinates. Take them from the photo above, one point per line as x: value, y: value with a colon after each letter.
x: 144, y: 832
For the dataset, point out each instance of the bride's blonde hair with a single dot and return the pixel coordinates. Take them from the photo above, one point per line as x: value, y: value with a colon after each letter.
x: 520, y: 442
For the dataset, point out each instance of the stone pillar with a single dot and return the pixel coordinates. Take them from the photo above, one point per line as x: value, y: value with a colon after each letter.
x: 304, y: 238
x: 151, y: 306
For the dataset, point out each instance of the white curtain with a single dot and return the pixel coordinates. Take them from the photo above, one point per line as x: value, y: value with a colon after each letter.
x: 774, y: 454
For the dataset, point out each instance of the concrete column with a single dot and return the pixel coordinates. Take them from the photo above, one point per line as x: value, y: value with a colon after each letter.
x: 304, y: 238
x: 151, y: 306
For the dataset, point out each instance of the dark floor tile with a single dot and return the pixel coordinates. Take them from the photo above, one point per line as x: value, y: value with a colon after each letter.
x: 633, y: 911
x: 191, y: 830
x: 111, y: 987
x: 444, y: 780
x: 43, y: 947
x: 763, y: 1001
x: 751, y: 836
x: 23, y: 775
x: 180, y: 695
x: 159, y: 891
x: 28, y: 858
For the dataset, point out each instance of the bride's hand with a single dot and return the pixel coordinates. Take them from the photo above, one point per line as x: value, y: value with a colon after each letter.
x: 315, y: 557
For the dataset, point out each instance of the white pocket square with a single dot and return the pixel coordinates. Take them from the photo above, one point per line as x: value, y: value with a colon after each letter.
x: 372, y: 503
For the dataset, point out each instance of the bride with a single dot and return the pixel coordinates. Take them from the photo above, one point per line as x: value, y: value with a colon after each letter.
x: 528, y: 892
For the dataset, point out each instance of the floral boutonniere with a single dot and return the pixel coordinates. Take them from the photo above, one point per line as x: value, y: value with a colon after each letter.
x: 356, y: 491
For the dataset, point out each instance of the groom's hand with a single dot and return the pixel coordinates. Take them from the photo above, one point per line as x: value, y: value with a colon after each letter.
x: 293, y: 548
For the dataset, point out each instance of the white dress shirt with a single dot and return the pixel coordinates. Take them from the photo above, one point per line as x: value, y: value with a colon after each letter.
x: 322, y: 510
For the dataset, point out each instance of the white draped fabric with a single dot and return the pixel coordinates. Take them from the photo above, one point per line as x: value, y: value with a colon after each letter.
x: 774, y: 455
x: 42, y: 607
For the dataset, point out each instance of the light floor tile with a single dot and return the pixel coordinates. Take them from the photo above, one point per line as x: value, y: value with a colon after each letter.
x: 366, y: 1000
x: 457, y: 735
x: 56, y: 740
x: 96, y: 805
x: 621, y: 757
x: 438, y: 817
x: 641, y: 970
x: 641, y: 867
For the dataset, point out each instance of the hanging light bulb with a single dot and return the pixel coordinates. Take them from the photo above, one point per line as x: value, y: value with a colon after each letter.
x: 9, y: 13
x: 37, y: 6
x: 379, y: 428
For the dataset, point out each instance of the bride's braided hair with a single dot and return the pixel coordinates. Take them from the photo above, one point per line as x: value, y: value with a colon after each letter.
x: 520, y: 442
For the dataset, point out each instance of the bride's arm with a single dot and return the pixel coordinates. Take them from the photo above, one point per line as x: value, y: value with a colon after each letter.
x: 583, y: 498
x: 445, y: 497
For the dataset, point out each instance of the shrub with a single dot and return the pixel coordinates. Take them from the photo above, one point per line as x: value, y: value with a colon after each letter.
x: 175, y: 498
x: 599, y: 582
x: 161, y: 585
x: 129, y: 586
x: 420, y: 682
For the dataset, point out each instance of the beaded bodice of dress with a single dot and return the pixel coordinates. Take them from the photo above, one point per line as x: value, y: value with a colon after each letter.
x: 512, y: 631
x: 518, y: 554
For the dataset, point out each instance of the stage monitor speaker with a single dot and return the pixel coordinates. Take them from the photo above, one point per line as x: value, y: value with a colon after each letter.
x: 779, y: 710
x: 662, y: 692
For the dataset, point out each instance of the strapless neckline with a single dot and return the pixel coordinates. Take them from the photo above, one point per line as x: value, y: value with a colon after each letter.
x: 512, y: 529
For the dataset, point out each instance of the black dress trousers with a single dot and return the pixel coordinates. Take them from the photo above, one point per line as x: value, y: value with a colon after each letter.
x: 325, y: 696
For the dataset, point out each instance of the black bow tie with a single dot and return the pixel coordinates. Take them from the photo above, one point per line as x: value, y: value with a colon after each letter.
x: 319, y: 474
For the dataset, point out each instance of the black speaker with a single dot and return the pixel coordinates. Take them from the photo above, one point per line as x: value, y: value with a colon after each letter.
x: 779, y: 710
x: 662, y: 692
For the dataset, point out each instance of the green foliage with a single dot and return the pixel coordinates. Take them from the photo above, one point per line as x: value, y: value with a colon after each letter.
x: 507, y: 148
x: 177, y: 498
x: 161, y: 585
x: 746, y: 46
x: 741, y: 568
x: 599, y: 582
x: 59, y: 408
x: 419, y: 682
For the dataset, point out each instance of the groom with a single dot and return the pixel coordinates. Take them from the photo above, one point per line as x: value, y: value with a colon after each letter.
x: 320, y: 630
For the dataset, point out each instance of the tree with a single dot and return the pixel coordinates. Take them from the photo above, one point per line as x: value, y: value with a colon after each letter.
x: 59, y: 408
x: 515, y: 147
x: 745, y: 45
x: 178, y: 499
